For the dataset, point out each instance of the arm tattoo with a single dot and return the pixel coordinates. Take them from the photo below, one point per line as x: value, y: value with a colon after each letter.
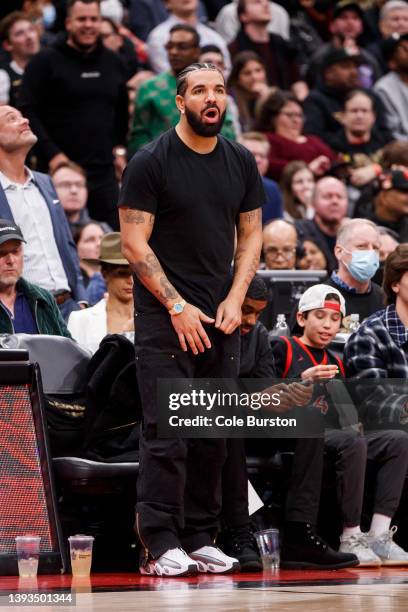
x: 252, y: 215
x: 149, y: 267
x: 137, y: 216
x: 169, y: 291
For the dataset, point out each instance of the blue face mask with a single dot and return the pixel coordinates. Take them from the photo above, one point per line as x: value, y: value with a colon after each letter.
x: 363, y: 264
x: 49, y: 15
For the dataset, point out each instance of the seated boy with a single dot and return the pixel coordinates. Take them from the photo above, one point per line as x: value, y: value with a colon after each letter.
x: 302, y: 548
x: 319, y: 315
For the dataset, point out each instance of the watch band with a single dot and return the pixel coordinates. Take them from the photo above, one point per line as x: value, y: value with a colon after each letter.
x: 177, y: 308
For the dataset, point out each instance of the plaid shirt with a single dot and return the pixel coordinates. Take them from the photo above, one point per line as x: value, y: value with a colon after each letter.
x: 379, y: 350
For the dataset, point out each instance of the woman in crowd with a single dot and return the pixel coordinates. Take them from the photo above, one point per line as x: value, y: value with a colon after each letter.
x: 113, y: 314
x: 297, y: 185
x: 247, y: 84
x: 360, y: 142
x: 88, y: 241
x: 280, y: 116
x: 313, y: 257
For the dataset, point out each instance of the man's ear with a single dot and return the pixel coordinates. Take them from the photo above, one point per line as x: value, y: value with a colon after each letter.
x: 395, y: 287
x: 6, y: 45
x: 180, y: 104
x: 337, y: 250
x: 300, y: 319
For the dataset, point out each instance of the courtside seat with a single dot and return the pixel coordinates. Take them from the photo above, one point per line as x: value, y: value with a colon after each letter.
x: 76, y: 473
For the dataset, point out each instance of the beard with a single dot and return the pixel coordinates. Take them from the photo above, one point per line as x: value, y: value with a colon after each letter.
x: 202, y: 129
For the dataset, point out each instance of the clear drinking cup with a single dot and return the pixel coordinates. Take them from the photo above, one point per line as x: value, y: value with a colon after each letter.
x: 28, y: 550
x: 81, y: 554
x: 268, y: 544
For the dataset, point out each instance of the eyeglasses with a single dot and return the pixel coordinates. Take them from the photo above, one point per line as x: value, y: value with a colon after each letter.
x: 286, y: 252
x: 71, y: 184
x: 292, y: 115
x: 180, y: 46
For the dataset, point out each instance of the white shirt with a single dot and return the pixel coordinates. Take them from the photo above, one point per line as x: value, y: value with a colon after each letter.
x: 227, y: 22
x: 159, y: 36
x: 89, y: 326
x: 5, y: 82
x: 42, y: 261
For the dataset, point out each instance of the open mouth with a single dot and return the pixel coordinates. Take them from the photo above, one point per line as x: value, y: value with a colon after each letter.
x: 211, y: 115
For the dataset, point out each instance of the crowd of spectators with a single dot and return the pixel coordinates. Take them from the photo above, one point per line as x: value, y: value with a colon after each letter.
x: 318, y: 93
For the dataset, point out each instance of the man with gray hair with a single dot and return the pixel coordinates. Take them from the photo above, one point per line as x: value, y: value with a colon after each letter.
x: 393, y: 19
x: 357, y: 252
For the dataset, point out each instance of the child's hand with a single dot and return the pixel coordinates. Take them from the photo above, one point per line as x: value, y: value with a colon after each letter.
x: 320, y: 372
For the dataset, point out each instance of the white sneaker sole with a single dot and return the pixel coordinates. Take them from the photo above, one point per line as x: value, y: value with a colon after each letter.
x: 372, y: 563
x: 155, y: 569
x: 393, y: 562
x: 213, y: 568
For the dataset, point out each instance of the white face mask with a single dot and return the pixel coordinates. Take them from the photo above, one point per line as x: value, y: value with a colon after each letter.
x: 363, y: 265
x: 49, y: 15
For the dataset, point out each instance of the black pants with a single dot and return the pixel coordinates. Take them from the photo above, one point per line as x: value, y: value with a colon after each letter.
x: 303, y: 497
x: 389, y: 450
x: 348, y: 453
x: 235, y: 485
x: 179, y: 483
x: 103, y: 193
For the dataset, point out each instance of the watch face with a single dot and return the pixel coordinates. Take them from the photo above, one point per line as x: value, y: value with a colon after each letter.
x: 178, y: 308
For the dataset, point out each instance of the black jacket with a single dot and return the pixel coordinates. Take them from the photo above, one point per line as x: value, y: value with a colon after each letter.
x: 257, y: 359
x: 365, y: 209
x: 287, y: 71
x: 76, y: 103
x: 321, y: 106
x: 113, y: 405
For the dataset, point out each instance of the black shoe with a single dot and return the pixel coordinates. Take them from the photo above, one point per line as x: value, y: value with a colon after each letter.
x: 240, y: 543
x: 304, y: 549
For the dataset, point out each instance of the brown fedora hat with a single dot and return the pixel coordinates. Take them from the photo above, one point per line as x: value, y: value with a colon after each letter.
x: 110, y: 251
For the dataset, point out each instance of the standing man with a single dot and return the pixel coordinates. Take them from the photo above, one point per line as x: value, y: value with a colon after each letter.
x: 30, y: 200
x: 76, y: 99
x: 182, y: 197
x: 155, y: 111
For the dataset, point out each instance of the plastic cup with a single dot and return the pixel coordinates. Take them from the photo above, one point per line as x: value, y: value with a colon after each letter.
x: 268, y: 544
x: 28, y: 550
x: 81, y: 554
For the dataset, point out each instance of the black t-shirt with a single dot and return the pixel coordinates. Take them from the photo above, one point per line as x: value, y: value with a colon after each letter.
x: 361, y: 151
x: 196, y: 199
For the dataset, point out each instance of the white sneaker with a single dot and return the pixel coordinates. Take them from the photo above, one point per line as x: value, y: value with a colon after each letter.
x: 385, y: 547
x: 212, y: 559
x: 357, y: 544
x: 174, y: 562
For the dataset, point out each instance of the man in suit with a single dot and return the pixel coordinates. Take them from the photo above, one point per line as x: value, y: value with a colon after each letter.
x: 30, y: 200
